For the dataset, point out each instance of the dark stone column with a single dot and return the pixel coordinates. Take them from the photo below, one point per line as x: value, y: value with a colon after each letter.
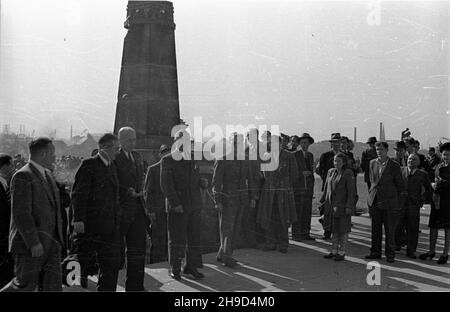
x: 148, y: 88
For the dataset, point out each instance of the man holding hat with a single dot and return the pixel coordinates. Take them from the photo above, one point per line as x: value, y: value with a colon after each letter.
x: 325, y: 164
x: 155, y: 204
x: 303, y: 188
x: 366, y: 157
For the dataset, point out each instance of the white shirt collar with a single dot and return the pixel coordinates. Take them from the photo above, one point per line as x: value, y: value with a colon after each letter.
x: 129, y: 155
x: 4, y: 182
x: 40, y: 168
x: 104, y: 160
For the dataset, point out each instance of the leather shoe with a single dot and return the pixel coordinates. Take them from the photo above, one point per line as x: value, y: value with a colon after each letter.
x: 330, y: 256
x: 308, y: 238
x: 411, y: 255
x: 339, y: 257
x: 283, y: 250
x: 390, y: 260
x: 373, y: 256
x: 196, y: 274
x: 175, y: 276
x: 427, y: 255
x: 442, y: 260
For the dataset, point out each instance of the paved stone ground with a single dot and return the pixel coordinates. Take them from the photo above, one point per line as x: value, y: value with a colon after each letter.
x: 303, y: 268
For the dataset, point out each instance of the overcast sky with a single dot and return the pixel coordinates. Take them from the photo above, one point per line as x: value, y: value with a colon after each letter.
x: 316, y: 67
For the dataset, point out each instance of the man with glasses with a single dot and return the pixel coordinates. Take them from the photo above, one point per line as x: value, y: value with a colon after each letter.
x: 97, y: 213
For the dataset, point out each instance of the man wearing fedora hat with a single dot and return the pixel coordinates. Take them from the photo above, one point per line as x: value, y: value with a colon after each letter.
x: 303, y: 188
x: 325, y: 164
x: 366, y: 157
x: 155, y: 204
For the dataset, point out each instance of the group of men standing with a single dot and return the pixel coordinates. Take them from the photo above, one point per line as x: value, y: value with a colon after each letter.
x: 114, y: 202
x: 109, y: 217
x: 398, y: 187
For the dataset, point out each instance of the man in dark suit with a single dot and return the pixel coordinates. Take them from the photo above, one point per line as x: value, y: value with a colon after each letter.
x: 180, y: 184
x: 303, y: 189
x: 130, y: 171
x: 251, y: 232
x: 6, y: 262
x: 36, y: 237
x: 230, y: 181
x: 386, y: 196
x: 97, y: 214
x: 415, y: 180
x: 155, y: 203
x: 325, y: 164
x: 366, y: 157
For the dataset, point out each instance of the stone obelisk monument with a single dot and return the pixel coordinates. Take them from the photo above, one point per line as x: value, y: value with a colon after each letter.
x: 148, y: 88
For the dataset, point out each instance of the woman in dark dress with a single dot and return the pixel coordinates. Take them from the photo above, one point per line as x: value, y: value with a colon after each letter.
x: 440, y: 210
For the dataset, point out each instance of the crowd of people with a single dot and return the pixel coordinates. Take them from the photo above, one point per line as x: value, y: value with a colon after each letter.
x: 116, y: 202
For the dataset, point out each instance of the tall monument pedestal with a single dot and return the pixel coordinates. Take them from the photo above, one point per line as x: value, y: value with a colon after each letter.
x: 148, y: 87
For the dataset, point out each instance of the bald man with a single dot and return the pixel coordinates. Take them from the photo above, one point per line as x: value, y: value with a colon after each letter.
x: 415, y: 179
x: 130, y: 172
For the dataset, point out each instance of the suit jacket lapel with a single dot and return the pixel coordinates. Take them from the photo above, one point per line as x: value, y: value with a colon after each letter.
x: 386, y: 167
x: 311, y: 161
x: 56, y: 192
x: 302, y: 163
x: 5, y: 193
x: 376, y: 172
x: 405, y: 174
x: 128, y: 163
x: 44, y: 184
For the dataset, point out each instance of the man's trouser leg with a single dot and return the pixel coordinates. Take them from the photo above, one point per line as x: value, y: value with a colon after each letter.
x: 108, y: 248
x: 412, y: 228
x: 389, y: 220
x: 400, y: 228
x: 227, y: 221
x: 249, y: 227
x: 296, y: 226
x: 193, y: 249
x: 239, y: 229
x: 377, y: 231
x: 281, y: 232
x: 135, y: 240
x: 177, y: 232
x: 158, y: 251
x: 6, y: 263
x: 305, y: 215
x: 259, y: 231
x: 29, y: 271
